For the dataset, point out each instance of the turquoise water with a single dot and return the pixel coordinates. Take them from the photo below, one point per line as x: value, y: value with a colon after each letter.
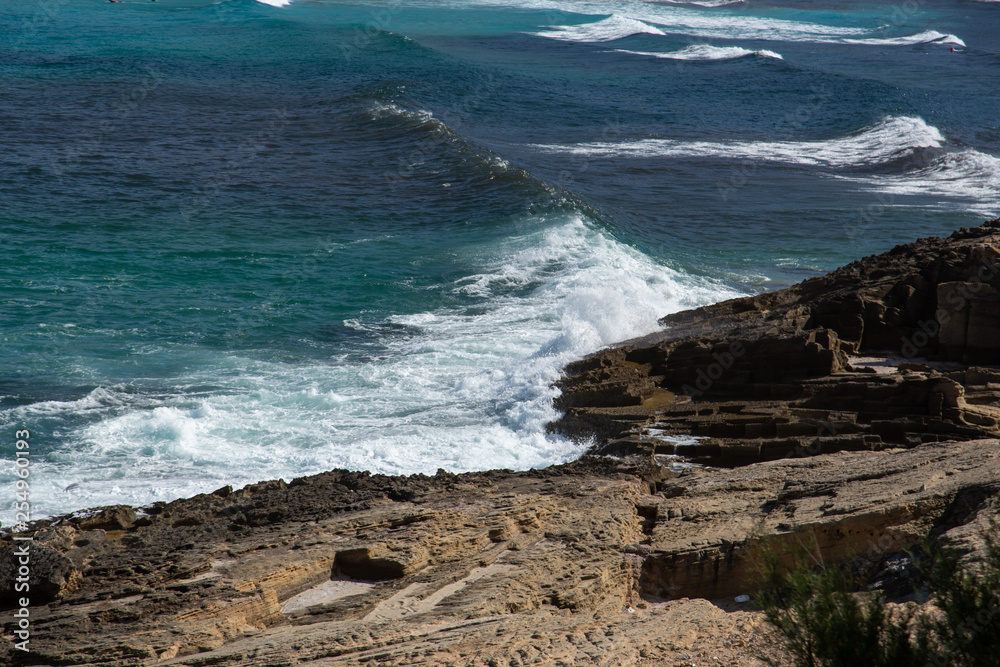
x: 246, y: 241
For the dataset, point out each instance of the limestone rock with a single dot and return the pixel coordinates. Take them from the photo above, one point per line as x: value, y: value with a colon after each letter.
x: 828, y: 365
x: 380, y: 561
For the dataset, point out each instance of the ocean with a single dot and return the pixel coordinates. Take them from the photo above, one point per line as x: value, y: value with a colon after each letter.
x: 247, y: 240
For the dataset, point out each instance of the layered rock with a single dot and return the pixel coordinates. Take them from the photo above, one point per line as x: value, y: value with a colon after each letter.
x: 537, y: 567
x: 893, y: 350
x: 855, y: 415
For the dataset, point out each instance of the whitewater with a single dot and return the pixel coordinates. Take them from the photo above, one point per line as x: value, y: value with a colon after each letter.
x: 455, y: 390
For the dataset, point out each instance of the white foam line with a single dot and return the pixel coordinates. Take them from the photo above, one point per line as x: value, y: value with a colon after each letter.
x: 967, y: 179
x: 701, y: 3
x: 677, y: 19
x: 925, y: 37
x: 892, y: 138
x: 707, y: 52
x: 609, y: 29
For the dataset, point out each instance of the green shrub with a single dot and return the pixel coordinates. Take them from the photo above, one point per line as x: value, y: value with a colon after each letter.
x: 824, y: 623
x: 828, y: 616
x: 967, y: 631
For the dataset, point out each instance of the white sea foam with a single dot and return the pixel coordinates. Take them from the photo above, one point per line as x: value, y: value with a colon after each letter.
x: 966, y: 180
x: 275, y: 3
x: 700, y: 3
x: 677, y: 19
x: 892, y: 138
x: 925, y: 37
x: 606, y: 30
x: 707, y: 52
x: 669, y: 18
x: 380, y: 110
x: 97, y: 400
x: 689, y: 22
x: 462, y: 390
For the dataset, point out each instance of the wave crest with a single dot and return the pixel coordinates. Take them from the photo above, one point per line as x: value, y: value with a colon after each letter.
x: 699, y: 3
x: 925, y: 37
x: 708, y: 52
x: 891, y: 139
x: 967, y: 176
x: 463, y: 389
x: 668, y: 17
x: 606, y: 30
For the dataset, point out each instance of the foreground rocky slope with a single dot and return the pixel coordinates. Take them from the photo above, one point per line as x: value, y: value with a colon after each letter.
x: 856, y: 414
x: 344, y: 568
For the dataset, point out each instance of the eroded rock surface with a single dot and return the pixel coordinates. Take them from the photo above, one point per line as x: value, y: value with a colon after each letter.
x: 346, y: 568
x: 856, y: 414
x: 890, y: 351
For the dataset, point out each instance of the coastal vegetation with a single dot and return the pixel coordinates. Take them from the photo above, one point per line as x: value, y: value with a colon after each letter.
x: 838, y: 616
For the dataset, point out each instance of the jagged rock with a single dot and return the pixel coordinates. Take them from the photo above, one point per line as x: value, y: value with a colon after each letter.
x: 116, y: 517
x: 46, y: 573
x: 797, y: 371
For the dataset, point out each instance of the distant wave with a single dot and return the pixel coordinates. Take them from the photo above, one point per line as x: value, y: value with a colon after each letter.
x: 893, y: 138
x: 275, y: 3
x: 434, y: 139
x: 925, y: 37
x: 380, y: 110
x: 658, y: 19
x: 897, y: 144
x: 669, y: 18
x: 423, y: 121
x: 609, y: 29
x: 968, y: 175
x: 707, y: 52
x: 704, y: 3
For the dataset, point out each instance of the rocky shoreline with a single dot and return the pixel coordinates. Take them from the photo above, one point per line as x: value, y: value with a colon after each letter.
x: 858, y: 412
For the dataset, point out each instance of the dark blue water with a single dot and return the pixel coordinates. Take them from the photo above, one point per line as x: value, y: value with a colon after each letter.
x: 244, y: 241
